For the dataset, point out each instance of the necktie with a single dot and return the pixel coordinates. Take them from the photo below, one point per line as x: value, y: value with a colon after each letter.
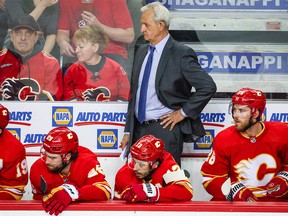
x: 144, y: 86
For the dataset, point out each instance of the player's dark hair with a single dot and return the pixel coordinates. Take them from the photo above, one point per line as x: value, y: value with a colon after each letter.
x: 74, y: 155
x: 149, y: 177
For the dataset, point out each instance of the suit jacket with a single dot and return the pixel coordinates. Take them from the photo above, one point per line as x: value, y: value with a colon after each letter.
x: 178, y: 71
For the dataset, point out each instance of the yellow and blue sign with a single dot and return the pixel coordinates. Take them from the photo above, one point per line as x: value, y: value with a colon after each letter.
x: 62, y: 116
x: 107, y: 139
x: 264, y: 115
x: 206, y: 142
x: 16, y: 132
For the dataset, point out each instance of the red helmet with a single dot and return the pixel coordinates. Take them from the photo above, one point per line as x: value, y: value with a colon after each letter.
x: 251, y: 97
x: 4, y: 117
x: 61, y: 140
x: 148, y: 148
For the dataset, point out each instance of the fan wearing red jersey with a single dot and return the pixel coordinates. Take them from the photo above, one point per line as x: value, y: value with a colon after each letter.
x: 94, y: 77
x: 110, y: 15
x: 253, y: 154
x: 152, y: 175
x: 27, y: 73
x: 66, y: 172
x: 13, y: 164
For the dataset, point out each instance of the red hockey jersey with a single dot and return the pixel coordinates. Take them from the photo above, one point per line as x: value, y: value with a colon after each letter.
x: 251, y: 161
x: 38, y: 78
x: 13, y: 167
x: 108, y: 83
x: 177, y: 190
x: 85, y: 173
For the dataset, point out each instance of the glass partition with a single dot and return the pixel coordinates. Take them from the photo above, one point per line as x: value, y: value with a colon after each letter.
x: 239, y: 43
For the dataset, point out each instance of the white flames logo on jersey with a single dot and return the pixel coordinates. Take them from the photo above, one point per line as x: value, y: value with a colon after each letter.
x: 248, y: 170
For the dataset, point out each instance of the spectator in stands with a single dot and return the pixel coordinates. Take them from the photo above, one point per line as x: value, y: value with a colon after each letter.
x: 13, y: 164
x: 3, y: 22
x: 45, y: 12
x: 94, y: 77
x: 110, y: 15
x: 27, y: 72
x: 66, y: 172
x: 252, y: 154
x: 152, y: 175
x: 167, y: 109
x: 134, y: 9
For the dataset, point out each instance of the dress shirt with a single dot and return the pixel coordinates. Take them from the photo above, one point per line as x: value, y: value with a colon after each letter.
x: 154, y: 108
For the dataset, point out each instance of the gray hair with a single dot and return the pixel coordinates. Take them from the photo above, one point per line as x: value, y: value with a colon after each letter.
x: 161, y: 13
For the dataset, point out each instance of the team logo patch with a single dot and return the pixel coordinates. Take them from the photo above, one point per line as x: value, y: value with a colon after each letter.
x: 264, y: 115
x: 107, y: 138
x: 205, y: 143
x: 62, y: 116
x: 16, y: 132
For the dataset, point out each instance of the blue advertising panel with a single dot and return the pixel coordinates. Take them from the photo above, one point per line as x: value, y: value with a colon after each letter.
x: 225, y: 4
x: 244, y: 62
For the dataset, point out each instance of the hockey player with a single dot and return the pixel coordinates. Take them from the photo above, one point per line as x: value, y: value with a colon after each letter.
x: 252, y: 153
x: 66, y: 172
x: 152, y: 175
x: 13, y: 164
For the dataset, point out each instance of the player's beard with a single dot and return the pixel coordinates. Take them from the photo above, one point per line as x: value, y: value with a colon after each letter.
x: 142, y: 175
x: 244, y: 126
x: 56, y: 169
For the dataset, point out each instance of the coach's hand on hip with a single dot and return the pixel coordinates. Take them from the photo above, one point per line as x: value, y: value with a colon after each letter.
x: 172, y: 119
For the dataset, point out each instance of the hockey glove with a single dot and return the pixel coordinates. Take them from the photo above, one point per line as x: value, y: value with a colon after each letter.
x: 141, y: 192
x: 240, y: 193
x: 60, y: 198
x: 278, y: 186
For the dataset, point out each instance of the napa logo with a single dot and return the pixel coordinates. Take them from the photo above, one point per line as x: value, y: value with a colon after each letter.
x: 62, y: 116
x: 107, y: 139
x: 264, y: 115
x: 16, y: 132
x: 205, y: 142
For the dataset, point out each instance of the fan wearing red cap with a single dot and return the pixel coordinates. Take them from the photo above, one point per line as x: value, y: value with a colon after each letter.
x: 66, y: 172
x: 251, y: 155
x: 151, y: 175
x: 13, y: 164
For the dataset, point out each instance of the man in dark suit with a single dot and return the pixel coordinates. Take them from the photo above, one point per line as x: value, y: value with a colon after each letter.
x: 178, y: 88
